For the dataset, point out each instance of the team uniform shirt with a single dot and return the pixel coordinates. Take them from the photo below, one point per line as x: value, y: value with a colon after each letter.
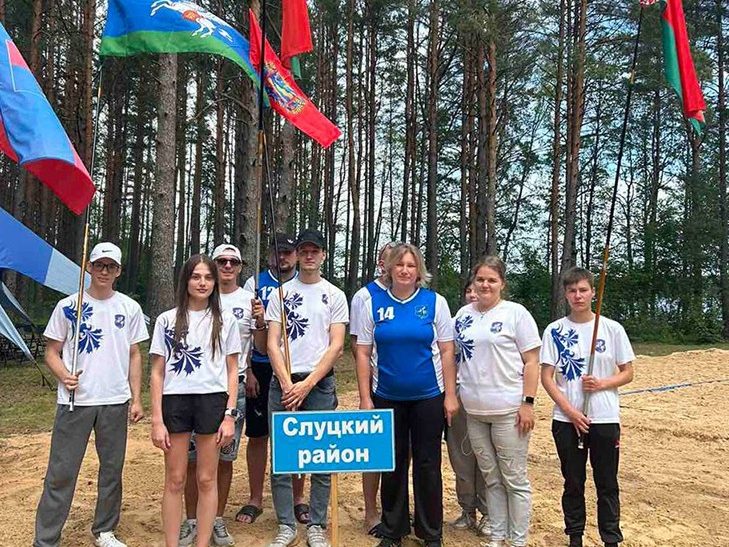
x: 267, y: 285
x: 311, y: 308
x: 191, y: 367
x: 109, y: 328
x: 404, y: 336
x: 362, y: 299
x: 238, y: 303
x: 491, y: 368
x: 566, y: 347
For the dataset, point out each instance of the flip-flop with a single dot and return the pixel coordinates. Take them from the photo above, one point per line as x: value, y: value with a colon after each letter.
x: 250, y: 511
x: 301, y: 510
x: 375, y: 531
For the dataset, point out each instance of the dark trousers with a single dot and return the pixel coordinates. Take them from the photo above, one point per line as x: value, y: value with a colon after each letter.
x: 418, y: 425
x: 603, y: 445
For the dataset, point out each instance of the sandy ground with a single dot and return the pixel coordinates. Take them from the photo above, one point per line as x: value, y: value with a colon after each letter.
x: 674, y: 473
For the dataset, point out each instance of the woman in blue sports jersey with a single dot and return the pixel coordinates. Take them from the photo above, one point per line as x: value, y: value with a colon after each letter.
x: 407, y: 331
x: 498, y: 372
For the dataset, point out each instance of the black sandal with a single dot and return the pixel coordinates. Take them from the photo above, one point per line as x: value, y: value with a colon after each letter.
x: 250, y: 511
x: 301, y: 510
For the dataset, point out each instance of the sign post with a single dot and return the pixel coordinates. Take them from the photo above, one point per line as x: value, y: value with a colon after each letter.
x: 350, y: 441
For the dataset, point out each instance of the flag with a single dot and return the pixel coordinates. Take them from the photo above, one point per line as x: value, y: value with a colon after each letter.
x: 171, y: 26
x: 32, y: 135
x: 678, y: 64
x: 286, y: 97
x: 295, y: 30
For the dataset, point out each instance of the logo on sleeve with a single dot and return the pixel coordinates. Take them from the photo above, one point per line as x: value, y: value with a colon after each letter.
x: 600, y: 345
x: 325, y: 298
x: 421, y: 312
x: 119, y: 321
x: 496, y: 326
x: 238, y: 312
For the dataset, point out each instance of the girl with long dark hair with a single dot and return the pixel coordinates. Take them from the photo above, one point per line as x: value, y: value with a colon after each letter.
x: 194, y: 384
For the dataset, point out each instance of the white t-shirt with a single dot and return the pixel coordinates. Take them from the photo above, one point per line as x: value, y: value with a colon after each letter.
x: 238, y: 303
x: 566, y: 346
x: 192, y: 368
x: 491, y: 369
x: 108, y: 330
x: 358, y: 307
x: 311, y: 308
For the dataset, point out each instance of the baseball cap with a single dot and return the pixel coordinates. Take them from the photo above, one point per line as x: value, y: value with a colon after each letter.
x: 314, y: 237
x: 106, y: 250
x: 226, y: 249
x: 284, y: 242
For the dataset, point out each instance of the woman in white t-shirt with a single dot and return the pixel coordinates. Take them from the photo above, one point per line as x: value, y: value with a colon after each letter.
x: 498, y: 371
x: 193, y: 385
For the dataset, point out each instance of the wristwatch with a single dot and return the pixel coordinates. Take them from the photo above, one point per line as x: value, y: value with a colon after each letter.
x: 233, y: 413
x: 527, y: 400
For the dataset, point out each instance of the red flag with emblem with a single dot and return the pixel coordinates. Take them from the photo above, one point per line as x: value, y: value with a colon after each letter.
x: 285, y: 96
x: 295, y: 30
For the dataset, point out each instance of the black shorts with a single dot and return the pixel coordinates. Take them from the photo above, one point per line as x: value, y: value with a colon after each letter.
x: 202, y: 413
x: 257, y: 408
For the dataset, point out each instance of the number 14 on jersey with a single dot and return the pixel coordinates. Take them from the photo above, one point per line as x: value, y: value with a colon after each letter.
x: 386, y: 313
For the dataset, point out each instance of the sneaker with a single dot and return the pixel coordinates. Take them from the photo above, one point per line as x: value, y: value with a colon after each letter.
x: 316, y: 536
x: 188, y: 532
x: 388, y: 542
x: 108, y: 539
x: 220, y: 533
x: 483, y: 528
x: 286, y: 536
x: 495, y: 543
x: 466, y: 521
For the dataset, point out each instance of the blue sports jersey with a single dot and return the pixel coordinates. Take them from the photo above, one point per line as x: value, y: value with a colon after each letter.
x: 267, y: 283
x: 405, y: 351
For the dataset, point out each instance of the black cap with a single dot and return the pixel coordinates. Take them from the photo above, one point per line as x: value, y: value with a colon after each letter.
x: 311, y: 236
x: 284, y: 242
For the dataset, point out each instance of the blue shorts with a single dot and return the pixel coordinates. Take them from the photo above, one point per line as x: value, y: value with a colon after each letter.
x: 228, y: 453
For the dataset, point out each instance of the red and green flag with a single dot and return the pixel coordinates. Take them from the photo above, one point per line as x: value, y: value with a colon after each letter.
x: 295, y: 33
x: 678, y: 64
x: 285, y: 95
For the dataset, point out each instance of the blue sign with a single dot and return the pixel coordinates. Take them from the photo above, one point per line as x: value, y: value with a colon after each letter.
x: 354, y: 441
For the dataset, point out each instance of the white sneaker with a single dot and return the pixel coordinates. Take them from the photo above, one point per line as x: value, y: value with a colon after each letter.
x: 188, y: 532
x: 494, y: 543
x: 316, y: 536
x: 286, y: 536
x: 484, y: 526
x: 108, y: 539
x: 220, y: 533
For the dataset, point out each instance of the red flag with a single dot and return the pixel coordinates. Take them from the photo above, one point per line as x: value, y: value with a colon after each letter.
x: 295, y: 30
x: 286, y: 97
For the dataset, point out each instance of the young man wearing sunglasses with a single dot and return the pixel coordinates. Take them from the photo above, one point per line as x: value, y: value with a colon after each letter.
x: 248, y: 311
x: 106, y: 388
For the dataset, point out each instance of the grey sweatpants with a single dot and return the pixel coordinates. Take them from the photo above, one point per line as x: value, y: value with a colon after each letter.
x: 71, y: 432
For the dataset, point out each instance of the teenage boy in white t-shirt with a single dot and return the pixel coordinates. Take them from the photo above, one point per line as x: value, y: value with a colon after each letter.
x: 564, y: 357
x: 248, y: 313
x: 107, y: 389
x: 316, y: 319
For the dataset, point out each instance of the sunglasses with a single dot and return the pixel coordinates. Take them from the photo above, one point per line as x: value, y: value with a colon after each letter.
x: 100, y: 267
x: 224, y: 261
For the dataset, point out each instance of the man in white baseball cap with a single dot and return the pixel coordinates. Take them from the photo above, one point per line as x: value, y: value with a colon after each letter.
x: 107, y: 389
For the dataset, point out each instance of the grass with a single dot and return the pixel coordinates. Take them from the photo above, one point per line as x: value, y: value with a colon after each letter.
x: 27, y: 407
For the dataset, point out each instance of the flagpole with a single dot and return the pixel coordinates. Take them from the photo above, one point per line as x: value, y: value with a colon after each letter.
x: 82, y: 273
x: 264, y: 167
x: 611, y: 218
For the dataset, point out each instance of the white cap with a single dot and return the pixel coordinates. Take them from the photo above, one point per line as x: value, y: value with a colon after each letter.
x: 226, y: 249
x: 106, y: 250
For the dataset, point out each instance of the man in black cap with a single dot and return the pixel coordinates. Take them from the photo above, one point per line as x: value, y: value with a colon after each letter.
x: 316, y: 320
x: 281, y: 265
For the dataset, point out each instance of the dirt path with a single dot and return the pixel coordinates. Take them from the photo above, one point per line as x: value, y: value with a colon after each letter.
x: 674, y: 473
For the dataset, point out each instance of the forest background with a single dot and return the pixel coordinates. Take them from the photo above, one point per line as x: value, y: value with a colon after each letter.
x: 469, y: 126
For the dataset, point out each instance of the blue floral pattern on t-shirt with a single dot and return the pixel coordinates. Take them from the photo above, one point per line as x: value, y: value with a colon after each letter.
x: 569, y: 365
x: 89, y: 339
x: 465, y: 345
x: 296, y: 325
x: 180, y: 356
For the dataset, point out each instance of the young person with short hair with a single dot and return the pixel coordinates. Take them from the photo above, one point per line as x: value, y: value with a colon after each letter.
x: 316, y: 318
x: 564, y: 358
x: 248, y: 313
x: 107, y: 393
x: 194, y: 387
x: 499, y: 373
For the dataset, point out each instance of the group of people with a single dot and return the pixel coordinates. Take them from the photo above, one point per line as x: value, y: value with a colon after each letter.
x: 227, y: 356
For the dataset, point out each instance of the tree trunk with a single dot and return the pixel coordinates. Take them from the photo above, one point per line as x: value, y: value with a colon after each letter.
x: 219, y: 192
x: 197, y: 176
x: 161, y: 285
x: 466, y: 129
x: 431, y: 233
x: 723, y: 205
x: 352, y: 180
x: 183, y: 77
x: 492, y: 143
x: 410, y: 121
x: 482, y: 160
